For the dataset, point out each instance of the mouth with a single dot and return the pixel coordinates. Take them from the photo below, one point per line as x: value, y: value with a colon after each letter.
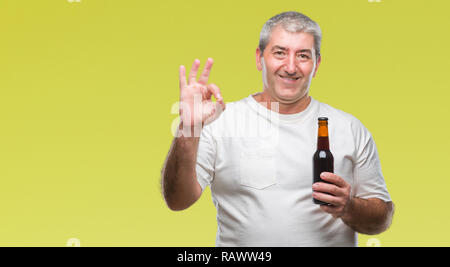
x: 289, y: 79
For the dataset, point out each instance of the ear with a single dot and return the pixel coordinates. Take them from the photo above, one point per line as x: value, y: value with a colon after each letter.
x: 258, y: 59
x: 317, y: 65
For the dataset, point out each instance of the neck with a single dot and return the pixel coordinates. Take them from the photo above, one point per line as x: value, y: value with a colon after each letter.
x: 284, y: 107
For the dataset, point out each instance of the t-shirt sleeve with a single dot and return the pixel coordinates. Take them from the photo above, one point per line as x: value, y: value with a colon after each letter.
x: 369, y: 180
x: 206, y: 157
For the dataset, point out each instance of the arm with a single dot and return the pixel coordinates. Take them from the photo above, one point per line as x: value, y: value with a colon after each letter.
x: 180, y: 187
x: 178, y: 179
x: 367, y: 216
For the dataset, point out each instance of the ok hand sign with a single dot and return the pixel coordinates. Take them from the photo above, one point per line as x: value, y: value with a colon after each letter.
x: 196, y: 106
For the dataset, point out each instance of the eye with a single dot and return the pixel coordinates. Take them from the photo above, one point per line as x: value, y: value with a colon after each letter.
x: 304, y: 56
x: 279, y: 53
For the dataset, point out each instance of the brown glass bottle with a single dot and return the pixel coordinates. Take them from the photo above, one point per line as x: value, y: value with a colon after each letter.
x: 323, y: 160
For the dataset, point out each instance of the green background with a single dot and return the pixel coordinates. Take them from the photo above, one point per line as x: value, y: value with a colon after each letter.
x: 86, y: 91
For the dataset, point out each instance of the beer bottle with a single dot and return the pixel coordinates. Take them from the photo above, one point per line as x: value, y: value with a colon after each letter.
x: 323, y: 160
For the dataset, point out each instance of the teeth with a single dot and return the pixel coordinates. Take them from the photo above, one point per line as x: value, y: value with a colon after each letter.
x: 293, y: 79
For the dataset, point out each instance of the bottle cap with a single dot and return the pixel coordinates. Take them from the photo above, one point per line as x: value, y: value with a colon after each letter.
x: 323, y: 119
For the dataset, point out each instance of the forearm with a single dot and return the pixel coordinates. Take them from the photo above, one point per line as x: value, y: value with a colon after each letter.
x: 179, y: 184
x: 368, y: 216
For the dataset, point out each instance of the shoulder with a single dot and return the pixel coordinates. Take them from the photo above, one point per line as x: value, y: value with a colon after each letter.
x: 338, y: 114
x: 343, y: 119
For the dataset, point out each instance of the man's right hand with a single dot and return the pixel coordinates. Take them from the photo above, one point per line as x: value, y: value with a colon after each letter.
x: 179, y: 178
x: 196, y: 106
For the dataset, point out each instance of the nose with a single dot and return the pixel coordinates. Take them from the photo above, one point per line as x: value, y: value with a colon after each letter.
x: 290, y: 65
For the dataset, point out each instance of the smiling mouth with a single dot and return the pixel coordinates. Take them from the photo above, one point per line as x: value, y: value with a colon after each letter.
x: 289, y: 78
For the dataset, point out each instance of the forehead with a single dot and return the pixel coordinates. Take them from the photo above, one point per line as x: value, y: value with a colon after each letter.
x: 290, y: 40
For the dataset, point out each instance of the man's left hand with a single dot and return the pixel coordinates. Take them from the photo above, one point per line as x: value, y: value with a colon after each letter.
x: 336, y: 193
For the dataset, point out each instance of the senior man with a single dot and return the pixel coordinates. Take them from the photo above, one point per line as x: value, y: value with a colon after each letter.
x: 257, y: 153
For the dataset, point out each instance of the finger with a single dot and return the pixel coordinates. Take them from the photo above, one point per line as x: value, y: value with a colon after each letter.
x: 333, y: 210
x: 206, y: 70
x: 193, y: 72
x: 326, y: 198
x: 214, y: 89
x: 206, y: 93
x: 182, y: 77
x: 328, y: 188
x: 333, y: 178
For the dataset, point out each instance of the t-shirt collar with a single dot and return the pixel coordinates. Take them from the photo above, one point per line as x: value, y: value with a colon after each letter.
x: 288, y: 118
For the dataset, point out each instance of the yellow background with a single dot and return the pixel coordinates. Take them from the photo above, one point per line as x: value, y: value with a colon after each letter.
x: 86, y: 91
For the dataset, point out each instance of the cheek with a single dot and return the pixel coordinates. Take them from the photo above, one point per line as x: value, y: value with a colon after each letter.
x: 273, y: 66
x: 307, y: 69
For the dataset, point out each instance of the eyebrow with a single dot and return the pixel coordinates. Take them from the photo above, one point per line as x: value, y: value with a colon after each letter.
x: 284, y: 49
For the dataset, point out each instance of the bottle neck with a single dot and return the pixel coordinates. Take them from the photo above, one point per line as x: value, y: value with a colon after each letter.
x: 322, y: 137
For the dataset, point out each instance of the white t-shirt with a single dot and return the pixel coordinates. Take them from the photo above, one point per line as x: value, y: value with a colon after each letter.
x: 259, y: 166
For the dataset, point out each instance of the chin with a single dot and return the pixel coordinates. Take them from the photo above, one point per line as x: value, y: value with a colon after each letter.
x: 289, y: 95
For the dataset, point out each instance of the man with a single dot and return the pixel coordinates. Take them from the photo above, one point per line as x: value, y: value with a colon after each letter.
x: 257, y: 154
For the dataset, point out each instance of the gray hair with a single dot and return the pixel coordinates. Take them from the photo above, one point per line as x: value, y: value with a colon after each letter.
x: 292, y: 22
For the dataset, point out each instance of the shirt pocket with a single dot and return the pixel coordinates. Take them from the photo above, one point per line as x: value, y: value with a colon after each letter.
x: 257, y: 168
